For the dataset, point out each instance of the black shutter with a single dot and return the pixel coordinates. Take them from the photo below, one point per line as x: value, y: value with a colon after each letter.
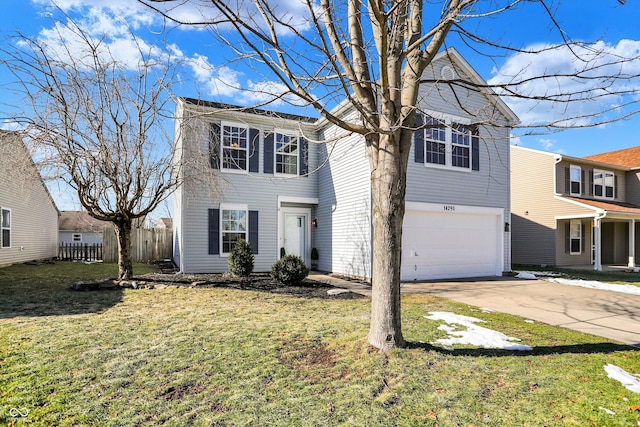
x: 418, y: 139
x: 567, y: 239
x: 214, y: 231
x: 582, y: 182
x: 303, y: 157
x: 475, y: 148
x: 567, y: 180
x: 615, y: 186
x: 214, y: 145
x: 254, y: 150
x: 268, y: 152
x: 253, y: 231
x: 590, y: 191
x: 583, y: 238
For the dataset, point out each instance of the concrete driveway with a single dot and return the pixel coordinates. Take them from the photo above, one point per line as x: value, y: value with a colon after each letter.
x: 607, y: 314
x: 612, y: 315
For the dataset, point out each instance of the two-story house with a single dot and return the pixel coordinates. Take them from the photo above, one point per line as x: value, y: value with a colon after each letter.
x: 28, y: 214
x: 569, y: 211
x: 289, y: 183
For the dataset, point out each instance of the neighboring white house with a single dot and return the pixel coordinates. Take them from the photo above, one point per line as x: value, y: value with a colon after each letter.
x: 80, y: 227
x: 28, y: 214
x: 272, y: 186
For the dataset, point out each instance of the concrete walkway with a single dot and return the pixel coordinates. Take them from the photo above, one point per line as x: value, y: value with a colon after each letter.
x: 612, y: 315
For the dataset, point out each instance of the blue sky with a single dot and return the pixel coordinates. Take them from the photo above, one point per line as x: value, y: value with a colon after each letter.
x: 210, y: 76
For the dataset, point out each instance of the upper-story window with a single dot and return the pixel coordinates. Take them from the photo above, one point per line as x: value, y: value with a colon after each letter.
x: 575, y: 180
x: 287, y: 152
x: 603, y: 184
x: 447, y: 143
x: 234, y: 147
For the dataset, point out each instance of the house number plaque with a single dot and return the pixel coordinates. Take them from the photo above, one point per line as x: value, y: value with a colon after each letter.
x: 449, y: 208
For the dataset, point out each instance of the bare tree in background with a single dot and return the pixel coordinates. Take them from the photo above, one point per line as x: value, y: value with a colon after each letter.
x: 98, y: 123
x: 372, y: 55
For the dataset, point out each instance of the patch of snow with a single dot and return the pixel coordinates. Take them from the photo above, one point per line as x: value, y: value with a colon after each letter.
x: 337, y: 291
x: 630, y: 381
x: 608, y: 411
x: 526, y: 275
x: 593, y: 284
x: 472, y: 334
x: 529, y: 321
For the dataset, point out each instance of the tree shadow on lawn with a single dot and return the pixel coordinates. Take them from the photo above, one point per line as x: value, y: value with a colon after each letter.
x: 590, y: 348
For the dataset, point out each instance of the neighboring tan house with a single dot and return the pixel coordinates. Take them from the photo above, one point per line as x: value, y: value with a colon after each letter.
x: 164, y: 223
x: 569, y: 211
x: 271, y: 185
x: 80, y: 227
x: 28, y: 214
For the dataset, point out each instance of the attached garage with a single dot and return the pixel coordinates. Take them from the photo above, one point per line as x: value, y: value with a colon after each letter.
x: 452, y: 241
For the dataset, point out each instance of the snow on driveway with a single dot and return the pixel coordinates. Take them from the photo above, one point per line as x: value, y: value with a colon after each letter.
x: 592, y: 284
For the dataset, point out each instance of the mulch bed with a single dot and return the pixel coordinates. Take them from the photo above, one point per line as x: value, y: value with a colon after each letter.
x: 261, y: 282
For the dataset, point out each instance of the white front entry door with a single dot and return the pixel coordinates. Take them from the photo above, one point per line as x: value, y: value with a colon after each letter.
x: 296, y: 234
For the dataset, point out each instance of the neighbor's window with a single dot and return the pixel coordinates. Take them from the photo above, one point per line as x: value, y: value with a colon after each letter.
x: 6, y: 228
x: 575, y: 237
x: 77, y: 237
x: 287, y: 149
x: 603, y: 184
x: 233, y: 227
x: 447, y: 144
x: 575, y: 177
x: 234, y: 147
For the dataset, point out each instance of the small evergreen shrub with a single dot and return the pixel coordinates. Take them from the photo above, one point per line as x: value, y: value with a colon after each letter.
x: 240, y: 260
x: 289, y: 270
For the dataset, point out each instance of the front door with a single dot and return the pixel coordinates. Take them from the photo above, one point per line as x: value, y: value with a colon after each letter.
x: 295, y: 234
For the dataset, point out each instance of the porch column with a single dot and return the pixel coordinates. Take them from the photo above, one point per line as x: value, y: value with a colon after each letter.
x: 632, y: 244
x: 597, y: 243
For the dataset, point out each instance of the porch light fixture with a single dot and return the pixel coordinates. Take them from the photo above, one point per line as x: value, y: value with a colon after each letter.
x: 314, y: 222
x: 507, y: 227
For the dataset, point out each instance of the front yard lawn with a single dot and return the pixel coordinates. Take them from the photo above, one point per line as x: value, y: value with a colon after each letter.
x: 222, y: 356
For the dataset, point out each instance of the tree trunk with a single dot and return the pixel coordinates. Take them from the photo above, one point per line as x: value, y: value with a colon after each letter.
x: 125, y: 266
x: 388, y: 185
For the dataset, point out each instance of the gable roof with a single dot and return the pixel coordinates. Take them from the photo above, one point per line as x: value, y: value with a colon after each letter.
x: 610, y: 206
x: 81, y: 222
x: 628, y: 157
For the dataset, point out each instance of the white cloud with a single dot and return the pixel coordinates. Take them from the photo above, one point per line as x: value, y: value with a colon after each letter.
x: 547, y: 144
x: 590, y: 77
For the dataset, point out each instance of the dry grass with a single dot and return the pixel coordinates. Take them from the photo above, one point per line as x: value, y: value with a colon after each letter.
x: 216, y: 356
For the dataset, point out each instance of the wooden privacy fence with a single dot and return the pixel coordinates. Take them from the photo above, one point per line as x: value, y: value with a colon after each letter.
x: 147, y: 244
x: 80, y: 251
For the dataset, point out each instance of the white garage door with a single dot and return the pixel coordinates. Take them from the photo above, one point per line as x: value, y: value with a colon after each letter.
x: 451, y: 244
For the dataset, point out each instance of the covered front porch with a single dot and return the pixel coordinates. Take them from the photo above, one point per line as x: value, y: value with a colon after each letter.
x: 609, y: 236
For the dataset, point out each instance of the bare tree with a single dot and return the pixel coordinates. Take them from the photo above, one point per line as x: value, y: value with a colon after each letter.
x: 98, y: 123
x: 372, y: 55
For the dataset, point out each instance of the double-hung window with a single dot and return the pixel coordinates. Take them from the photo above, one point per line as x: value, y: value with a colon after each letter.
x: 603, y: 184
x: 233, y: 226
x: 287, y: 152
x: 575, y: 237
x: 447, y: 143
x: 435, y: 139
x: 575, y: 180
x: 234, y: 147
x: 5, y: 221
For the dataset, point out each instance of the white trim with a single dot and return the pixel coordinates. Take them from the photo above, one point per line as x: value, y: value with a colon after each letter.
x: 10, y: 228
x: 571, y: 181
x: 575, y: 202
x: 294, y: 199
x: 604, y: 173
x: 231, y: 207
x: 292, y: 134
x: 224, y: 123
x: 440, y: 207
x: 447, y: 118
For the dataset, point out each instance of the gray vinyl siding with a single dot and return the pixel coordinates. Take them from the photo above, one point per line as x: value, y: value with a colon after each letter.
x: 632, y: 190
x: 488, y: 187
x: 34, y: 217
x: 344, y: 209
x: 86, y: 237
x: 258, y: 191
